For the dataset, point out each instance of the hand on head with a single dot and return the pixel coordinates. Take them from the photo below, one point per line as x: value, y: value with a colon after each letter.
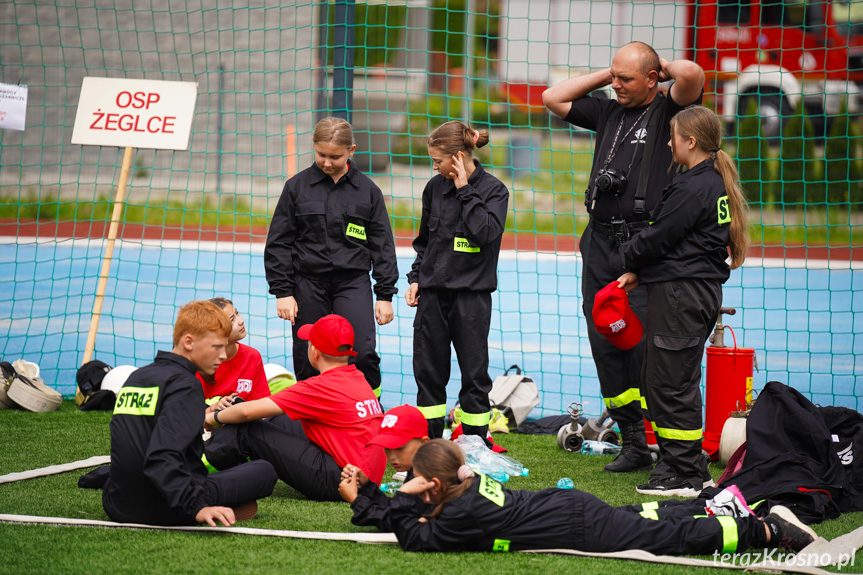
x: 418, y: 485
x: 459, y: 173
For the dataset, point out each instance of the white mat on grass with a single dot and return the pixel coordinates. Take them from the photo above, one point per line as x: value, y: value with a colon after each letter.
x: 840, y: 551
x: 54, y: 469
x: 806, y: 562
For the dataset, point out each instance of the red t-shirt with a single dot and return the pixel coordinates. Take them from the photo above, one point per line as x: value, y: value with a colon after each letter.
x: 243, y: 373
x: 341, y: 415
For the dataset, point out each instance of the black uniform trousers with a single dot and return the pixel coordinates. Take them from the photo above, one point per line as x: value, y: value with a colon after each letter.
x: 350, y: 298
x: 247, y: 482
x: 462, y: 317
x: 618, y: 370
x: 602, y: 528
x: 282, y: 442
x: 680, y: 316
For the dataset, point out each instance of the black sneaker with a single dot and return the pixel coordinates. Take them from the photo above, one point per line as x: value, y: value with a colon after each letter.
x: 663, y: 470
x: 787, y: 531
x: 674, y: 486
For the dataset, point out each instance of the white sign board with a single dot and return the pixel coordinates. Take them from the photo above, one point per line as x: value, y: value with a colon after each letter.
x: 13, y: 106
x: 135, y: 113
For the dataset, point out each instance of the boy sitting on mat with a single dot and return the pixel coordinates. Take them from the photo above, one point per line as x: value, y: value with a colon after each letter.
x: 331, y: 419
x: 157, y: 476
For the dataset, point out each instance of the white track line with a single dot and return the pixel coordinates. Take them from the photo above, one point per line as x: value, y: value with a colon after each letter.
x: 390, y: 538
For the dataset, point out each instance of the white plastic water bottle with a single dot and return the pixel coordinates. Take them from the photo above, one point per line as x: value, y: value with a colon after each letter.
x: 483, y: 460
x: 391, y: 487
x: 593, y: 447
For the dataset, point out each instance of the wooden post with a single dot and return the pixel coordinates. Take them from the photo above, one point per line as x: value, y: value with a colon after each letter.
x: 119, y: 200
x: 291, y: 151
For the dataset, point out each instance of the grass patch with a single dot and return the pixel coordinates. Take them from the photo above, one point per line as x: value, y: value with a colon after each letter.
x: 36, y: 440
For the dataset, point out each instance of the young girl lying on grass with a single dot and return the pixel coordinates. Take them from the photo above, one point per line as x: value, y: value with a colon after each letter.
x: 476, y: 513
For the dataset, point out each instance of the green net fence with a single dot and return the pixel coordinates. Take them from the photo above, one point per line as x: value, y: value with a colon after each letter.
x: 785, y: 75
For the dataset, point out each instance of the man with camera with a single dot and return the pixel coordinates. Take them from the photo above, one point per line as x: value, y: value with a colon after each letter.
x: 631, y: 166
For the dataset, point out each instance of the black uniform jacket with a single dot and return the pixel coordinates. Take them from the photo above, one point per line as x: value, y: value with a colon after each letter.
x: 330, y: 231
x: 489, y: 517
x: 458, y: 244
x: 688, y: 232
x: 156, y: 443
x: 372, y: 506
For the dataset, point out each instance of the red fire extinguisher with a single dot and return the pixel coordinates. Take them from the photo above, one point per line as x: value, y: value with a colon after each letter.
x: 728, y: 384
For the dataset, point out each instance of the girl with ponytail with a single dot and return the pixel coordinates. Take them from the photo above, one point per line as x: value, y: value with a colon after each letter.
x: 476, y: 513
x: 454, y: 274
x: 697, y: 235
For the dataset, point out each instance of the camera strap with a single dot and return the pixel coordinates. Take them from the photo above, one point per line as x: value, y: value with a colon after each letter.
x: 651, y: 122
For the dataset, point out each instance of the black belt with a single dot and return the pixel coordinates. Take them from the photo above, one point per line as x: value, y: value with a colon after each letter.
x: 610, y: 230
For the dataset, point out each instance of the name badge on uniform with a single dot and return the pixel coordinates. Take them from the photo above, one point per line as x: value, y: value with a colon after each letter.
x: 356, y: 231
x: 137, y: 401
x: 462, y: 245
x: 723, y: 209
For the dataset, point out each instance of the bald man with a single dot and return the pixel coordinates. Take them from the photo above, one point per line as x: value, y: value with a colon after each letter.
x: 630, y: 170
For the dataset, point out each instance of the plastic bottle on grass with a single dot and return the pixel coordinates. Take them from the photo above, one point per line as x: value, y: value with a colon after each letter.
x: 483, y: 460
x: 391, y: 487
x: 593, y: 447
x: 565, y: 483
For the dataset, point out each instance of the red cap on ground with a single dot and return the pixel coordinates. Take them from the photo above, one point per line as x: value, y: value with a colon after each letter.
x: 614, y: 319
x: 400, y: 425
x: 457, y: 431
x: 328, y: 334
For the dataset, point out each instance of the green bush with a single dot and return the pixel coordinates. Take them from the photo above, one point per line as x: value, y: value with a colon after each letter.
x: 752, y: 151
x: 841, y: 168
x: 800, y: 171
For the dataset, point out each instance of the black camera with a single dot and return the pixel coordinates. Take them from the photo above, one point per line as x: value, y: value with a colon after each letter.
x: 606, y: 180
x: 610, y: 180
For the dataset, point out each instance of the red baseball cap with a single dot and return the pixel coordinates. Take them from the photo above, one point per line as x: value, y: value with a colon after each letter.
x: 457, y: 431
x: 400, y: 425
x: 328, y: 334
x: 614, y: 319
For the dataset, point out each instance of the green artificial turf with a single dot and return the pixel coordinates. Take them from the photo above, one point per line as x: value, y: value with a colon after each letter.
x: 30, y: 440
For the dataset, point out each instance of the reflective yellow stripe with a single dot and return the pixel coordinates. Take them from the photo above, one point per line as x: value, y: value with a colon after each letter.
x: 643, y: 401
x: 212, y: 400
x: 756, y: 504
x: 137, y: 401
x: 475, y: 419
x: 377, y: 391
x: 723, y: 210
x: 729, y: 533
x: 625, y: 398
x: 209, y: 465
x: 648, y: 510
x: 500, y: 545
x: 356, y: 231
x: 491, y: 490
x: 682, y: 434
x: 462, y: 245
x: 433, y: 411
